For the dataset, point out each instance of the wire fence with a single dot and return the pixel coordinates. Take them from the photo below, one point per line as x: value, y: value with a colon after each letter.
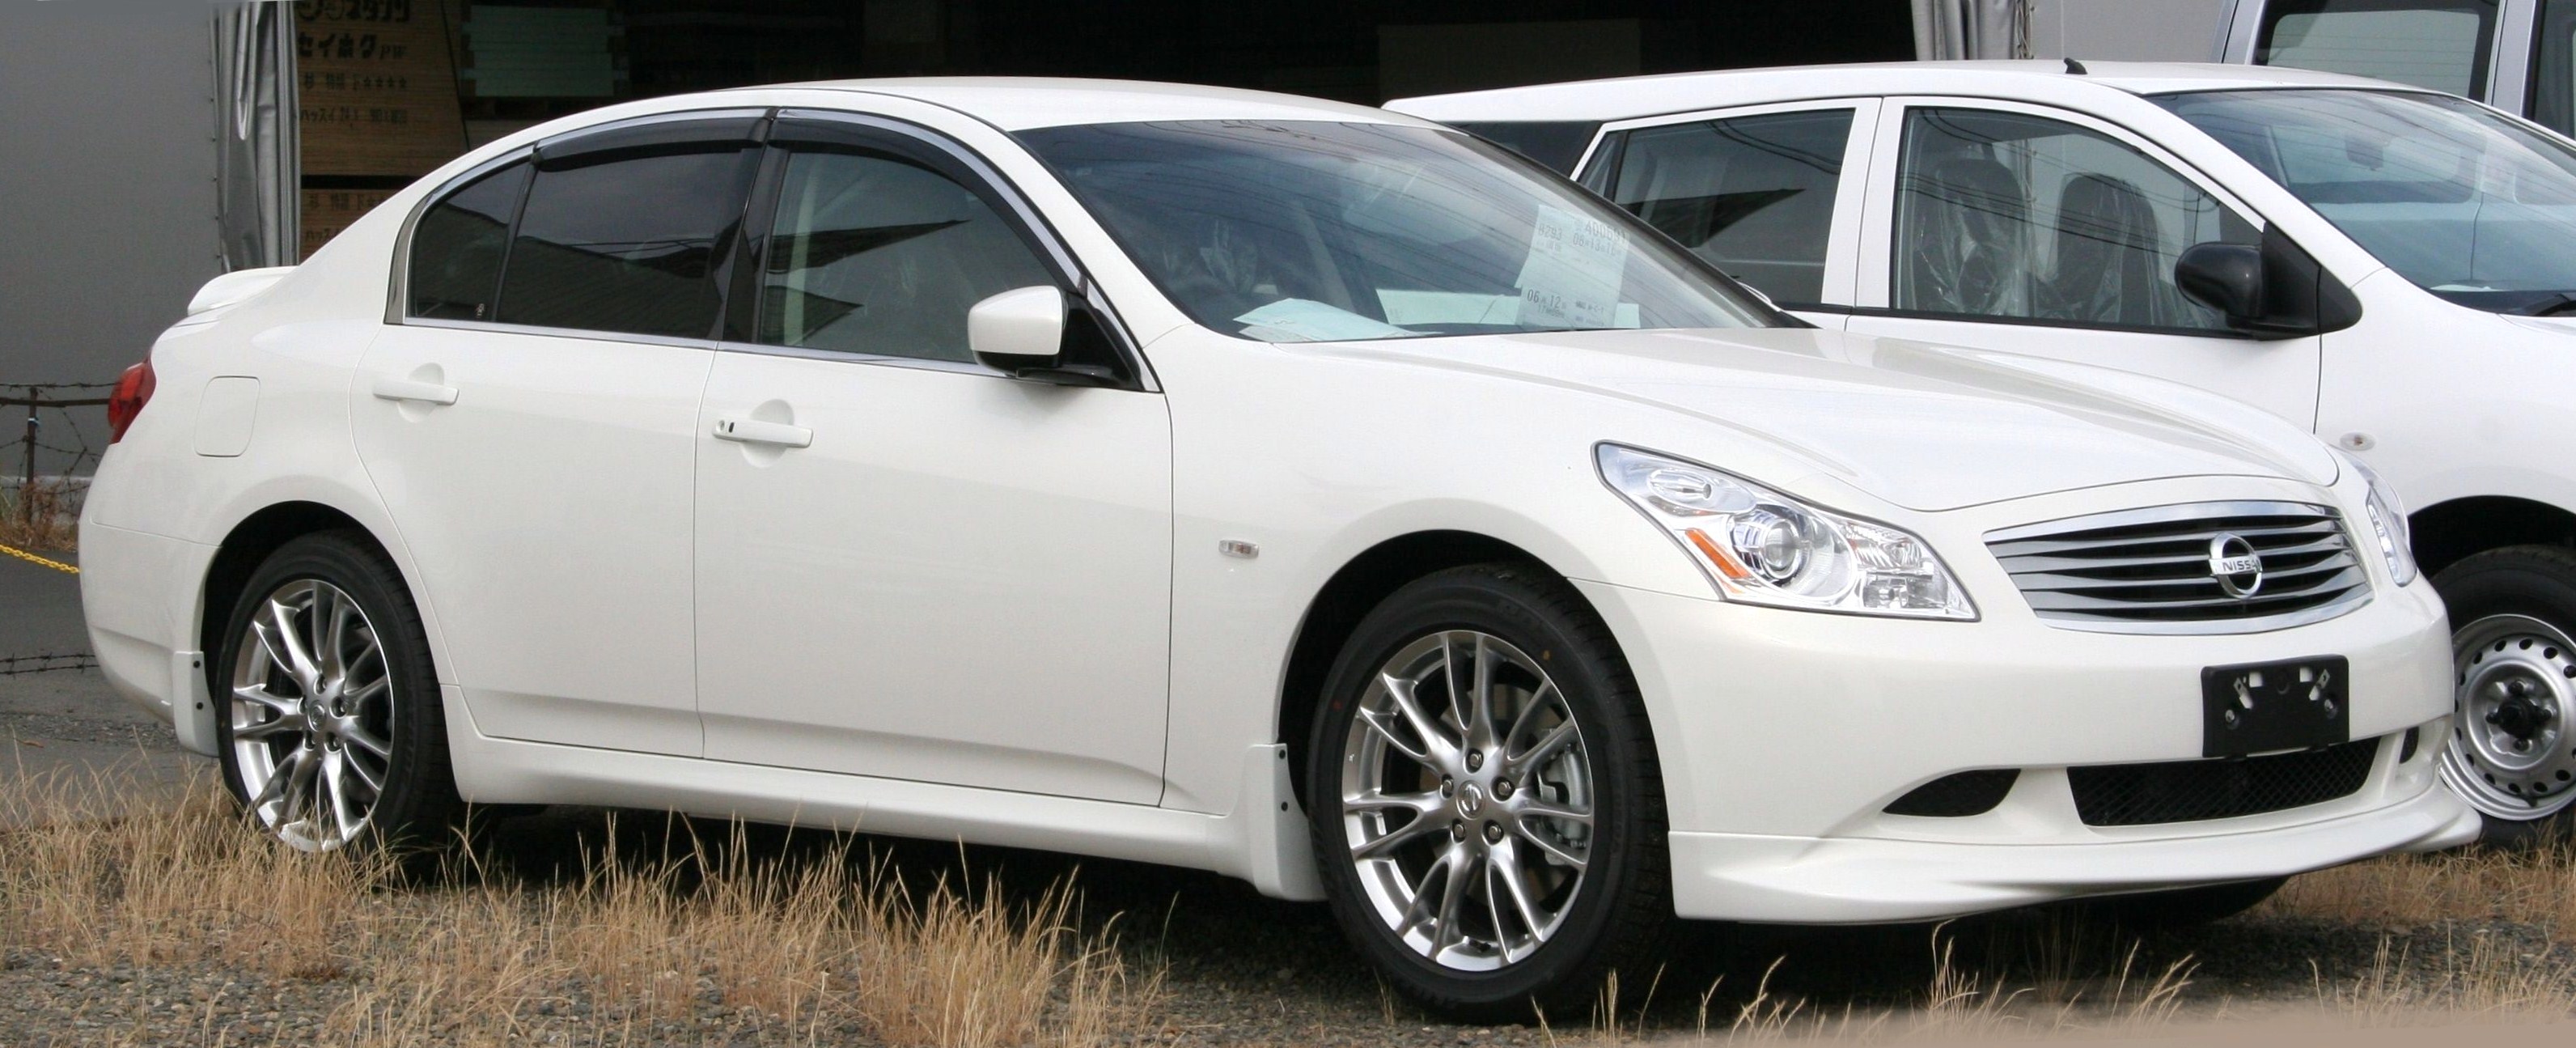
x: 44, y: 476
x: 57, y: 434
x: 15, y: 665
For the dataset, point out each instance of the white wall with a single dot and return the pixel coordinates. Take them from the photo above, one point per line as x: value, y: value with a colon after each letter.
x: 107, y: 191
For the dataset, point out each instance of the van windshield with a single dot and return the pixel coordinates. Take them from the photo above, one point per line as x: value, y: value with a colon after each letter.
x: 1318, y: 231
x: 2468, y: 204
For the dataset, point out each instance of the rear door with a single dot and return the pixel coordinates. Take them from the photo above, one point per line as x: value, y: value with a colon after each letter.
x: 531, y: 424
x: 1770, y: 194
x: 2033, y: 230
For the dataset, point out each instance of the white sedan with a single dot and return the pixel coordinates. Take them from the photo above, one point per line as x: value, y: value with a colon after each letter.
x: 1291, y: 490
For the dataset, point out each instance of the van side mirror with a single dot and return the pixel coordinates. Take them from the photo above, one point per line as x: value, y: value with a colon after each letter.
x: 2224, y: 277
x: 2276, y: 290
x: 1029, y: 333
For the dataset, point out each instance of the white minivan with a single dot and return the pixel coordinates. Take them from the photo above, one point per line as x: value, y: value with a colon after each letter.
x: 2391, y: 267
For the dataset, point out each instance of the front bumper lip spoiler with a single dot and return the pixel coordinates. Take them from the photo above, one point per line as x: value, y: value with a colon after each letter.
x: 1808, y: 880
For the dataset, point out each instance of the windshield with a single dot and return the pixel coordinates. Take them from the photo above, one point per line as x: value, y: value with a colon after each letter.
x: 1318, y: 231
x: 2467, y: 204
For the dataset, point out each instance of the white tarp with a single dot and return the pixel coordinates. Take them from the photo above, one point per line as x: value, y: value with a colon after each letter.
x: 1947, y: 30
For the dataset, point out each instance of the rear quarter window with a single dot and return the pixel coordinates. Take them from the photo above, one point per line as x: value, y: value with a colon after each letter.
x: 458, y: 245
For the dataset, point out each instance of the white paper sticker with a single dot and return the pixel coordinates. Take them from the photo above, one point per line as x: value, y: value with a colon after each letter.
x: 1306, y: 320
x: 1572, y: 276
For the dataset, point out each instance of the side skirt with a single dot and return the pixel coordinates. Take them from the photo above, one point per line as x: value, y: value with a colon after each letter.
x: 1263, y: 840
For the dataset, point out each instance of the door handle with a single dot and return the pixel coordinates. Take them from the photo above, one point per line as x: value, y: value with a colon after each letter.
x: 755, y: 431
x: 417, y: 392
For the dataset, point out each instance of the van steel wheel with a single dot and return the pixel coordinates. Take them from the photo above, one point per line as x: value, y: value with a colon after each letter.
x: 1485, y: 799
x: 2510, y: 753
x: 329, y: 728
x: 2512, y: 750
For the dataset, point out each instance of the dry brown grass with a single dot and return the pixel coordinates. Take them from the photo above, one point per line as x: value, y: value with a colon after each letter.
x: 41, y: 517
x: 2411, y: 890
x: 811, y: 944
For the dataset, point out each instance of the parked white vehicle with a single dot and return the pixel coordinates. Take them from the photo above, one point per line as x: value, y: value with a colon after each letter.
x: 1237, y: 481
x: 2516, y: 55
x: 2389, y: 267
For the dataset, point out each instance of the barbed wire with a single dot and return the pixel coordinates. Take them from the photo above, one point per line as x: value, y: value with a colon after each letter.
x: 50, y: 662
x: 53, y: 418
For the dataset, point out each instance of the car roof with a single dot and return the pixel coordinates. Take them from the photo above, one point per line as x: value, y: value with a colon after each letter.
x: 1626, y: 97
x: 1022, y: 103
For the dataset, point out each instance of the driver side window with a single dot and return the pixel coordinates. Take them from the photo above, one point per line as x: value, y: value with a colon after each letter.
x: 2005, y: 215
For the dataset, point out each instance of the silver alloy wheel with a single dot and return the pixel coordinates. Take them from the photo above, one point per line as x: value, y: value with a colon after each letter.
x: 312, y: 714
x: 1467, y: 800
x: 2511, y: 753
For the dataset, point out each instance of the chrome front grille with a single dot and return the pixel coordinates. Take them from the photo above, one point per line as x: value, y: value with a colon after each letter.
x: 2178, y: 569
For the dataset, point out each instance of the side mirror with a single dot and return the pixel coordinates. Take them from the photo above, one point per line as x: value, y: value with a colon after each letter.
x: 2224, y: 277
x: 2276, y: 290
x: 1018, y: 330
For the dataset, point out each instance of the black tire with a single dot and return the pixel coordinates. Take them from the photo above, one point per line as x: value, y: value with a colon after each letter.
x: 1620, y: 912
x: 417, y: 811
x: 2183, y: 907
x: 2538, y: 582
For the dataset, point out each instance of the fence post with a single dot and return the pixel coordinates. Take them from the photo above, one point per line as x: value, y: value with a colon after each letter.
x: 27, y: 483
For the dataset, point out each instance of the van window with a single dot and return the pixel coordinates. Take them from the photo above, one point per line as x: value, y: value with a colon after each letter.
x: 2472, y: 206
x: 457, y: 246
x: 1753, y: 195
x: 627, y: 244
x: 2015, y: 216
x: 2553, y: 67
x: 2440, y: 44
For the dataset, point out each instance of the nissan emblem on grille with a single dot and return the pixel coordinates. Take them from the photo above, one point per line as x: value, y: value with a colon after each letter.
x: 2233, y: 562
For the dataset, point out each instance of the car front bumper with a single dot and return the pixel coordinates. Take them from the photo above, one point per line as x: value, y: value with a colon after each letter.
x: 1859, y: 880
x: 1784, y: 736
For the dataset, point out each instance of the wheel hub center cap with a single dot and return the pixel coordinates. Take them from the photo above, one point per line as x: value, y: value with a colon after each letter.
x: 2521, y: 716
x: 1471, y: 799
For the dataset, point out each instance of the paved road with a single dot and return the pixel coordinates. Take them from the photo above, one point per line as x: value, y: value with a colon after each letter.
x: 69, y: 722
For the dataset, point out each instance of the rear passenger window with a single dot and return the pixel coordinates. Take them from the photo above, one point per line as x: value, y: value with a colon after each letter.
x: 627, y: 244
x: 456, y: 248
x: 1753, y: 195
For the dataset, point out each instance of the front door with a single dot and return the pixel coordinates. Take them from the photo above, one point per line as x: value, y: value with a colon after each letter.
x: 2042, y: 232
x: 910, y: 565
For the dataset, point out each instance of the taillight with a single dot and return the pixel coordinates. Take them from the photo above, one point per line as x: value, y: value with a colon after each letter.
x: 133, y: 390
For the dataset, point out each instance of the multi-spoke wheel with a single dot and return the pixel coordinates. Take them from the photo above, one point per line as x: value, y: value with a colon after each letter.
x: 2512, y: 750
x: 330, y: 727
x: 1486, y: 804
x: 1467, y: 799
x: 311, y: 712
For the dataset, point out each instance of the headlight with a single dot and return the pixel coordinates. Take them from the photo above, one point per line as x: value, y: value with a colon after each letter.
x: 2387, y: 523
x: 1763, y: 547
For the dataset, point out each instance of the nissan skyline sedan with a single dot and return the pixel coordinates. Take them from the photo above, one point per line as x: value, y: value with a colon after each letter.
x: 1297, y: 491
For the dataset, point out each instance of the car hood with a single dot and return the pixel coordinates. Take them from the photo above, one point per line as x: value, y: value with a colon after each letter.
x: 1922, y: 426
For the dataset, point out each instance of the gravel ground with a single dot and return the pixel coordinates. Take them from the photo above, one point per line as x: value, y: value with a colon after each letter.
x: 1239, y: 969
x: 1243, y: 970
